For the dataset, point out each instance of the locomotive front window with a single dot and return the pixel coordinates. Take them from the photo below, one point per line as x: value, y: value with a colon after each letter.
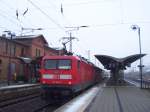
x: 64, y: 64
x: 50, y: 64
x: 57, y: 64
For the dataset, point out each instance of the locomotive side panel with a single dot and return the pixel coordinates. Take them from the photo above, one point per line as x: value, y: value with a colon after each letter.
x: 87, y: 74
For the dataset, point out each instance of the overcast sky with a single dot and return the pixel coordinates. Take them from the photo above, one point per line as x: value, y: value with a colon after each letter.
x: 109, y: 24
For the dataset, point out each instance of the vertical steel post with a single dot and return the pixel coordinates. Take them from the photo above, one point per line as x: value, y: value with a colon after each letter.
x: 136, y: 27
x: 140, y: 66
x: 70, y: 39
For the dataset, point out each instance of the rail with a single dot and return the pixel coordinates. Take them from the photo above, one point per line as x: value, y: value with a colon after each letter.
x: 145, y: 83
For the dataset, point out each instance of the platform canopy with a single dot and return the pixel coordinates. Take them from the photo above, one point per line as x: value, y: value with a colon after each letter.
x: 25, y: 60
x: 110, y: 62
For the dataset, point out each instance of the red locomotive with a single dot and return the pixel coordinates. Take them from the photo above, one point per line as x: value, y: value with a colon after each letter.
x: 67, y: 74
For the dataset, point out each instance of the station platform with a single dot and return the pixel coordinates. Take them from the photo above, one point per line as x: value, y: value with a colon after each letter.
x: 17, y: 88
x: 120, y: 99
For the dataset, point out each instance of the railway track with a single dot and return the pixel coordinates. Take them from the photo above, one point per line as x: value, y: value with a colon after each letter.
x: 7, y: 103
x: 136, y: 82
x: 23, y: 99
x: 31, y: 103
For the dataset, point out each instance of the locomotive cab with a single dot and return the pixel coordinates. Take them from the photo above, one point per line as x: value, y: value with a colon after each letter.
x: 58, y: 73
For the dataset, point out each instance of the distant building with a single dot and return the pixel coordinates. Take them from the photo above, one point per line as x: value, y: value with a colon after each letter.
x: 19, y: 55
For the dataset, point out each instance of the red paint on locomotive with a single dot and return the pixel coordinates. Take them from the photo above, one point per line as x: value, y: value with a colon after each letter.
x: 59, y: 73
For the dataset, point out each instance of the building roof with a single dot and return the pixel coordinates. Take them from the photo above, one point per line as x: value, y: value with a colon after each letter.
x: 14, y: 41
x: 27, y: 41
x: 30, y: 37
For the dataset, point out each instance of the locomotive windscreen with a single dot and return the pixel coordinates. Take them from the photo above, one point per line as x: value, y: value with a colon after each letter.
x: 57, y: 64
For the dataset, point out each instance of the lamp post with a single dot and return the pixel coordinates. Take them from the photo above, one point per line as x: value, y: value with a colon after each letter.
x: 136, y: 27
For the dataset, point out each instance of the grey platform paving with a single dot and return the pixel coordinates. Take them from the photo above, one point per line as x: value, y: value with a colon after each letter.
x: 121, y: 99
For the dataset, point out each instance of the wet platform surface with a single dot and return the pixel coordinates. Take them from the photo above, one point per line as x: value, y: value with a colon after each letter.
x: 121, y: 99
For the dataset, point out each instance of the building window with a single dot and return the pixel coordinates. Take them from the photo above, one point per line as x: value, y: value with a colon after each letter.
x: 37, y: 52
x: 6, y: 44
x: 13, y: 50
x: 0, y: 66
x: 1, y: 45
x: 13, y: 68
x: 22, y: 51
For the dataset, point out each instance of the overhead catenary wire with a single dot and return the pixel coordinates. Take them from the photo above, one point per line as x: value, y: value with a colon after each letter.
x: 103, y: 25
x: 11, y: 17
x: 86, y: 3
x: 4, y: 12
x: 51, y: 19
x: 58, y: 9
x: 97, y: 25
x: 25, y: 16
x: 7, y: 5
x: 10, y: 20
x: 14, y: 16
x: 121, y: 11
x: 120, y: 23
x: 54, y: 7
x: 63, y: 14
x: 54, y: 21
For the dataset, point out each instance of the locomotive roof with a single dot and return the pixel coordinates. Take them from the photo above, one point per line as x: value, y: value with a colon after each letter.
x: 71, y: 57
x: 68, y: 57
x: 61, y: 57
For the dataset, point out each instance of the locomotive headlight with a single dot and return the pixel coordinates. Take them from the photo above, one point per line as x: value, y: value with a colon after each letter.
x: 69, y: 82
x: 65, y: 76
x: 43, y: 82
x: 47, y: 76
